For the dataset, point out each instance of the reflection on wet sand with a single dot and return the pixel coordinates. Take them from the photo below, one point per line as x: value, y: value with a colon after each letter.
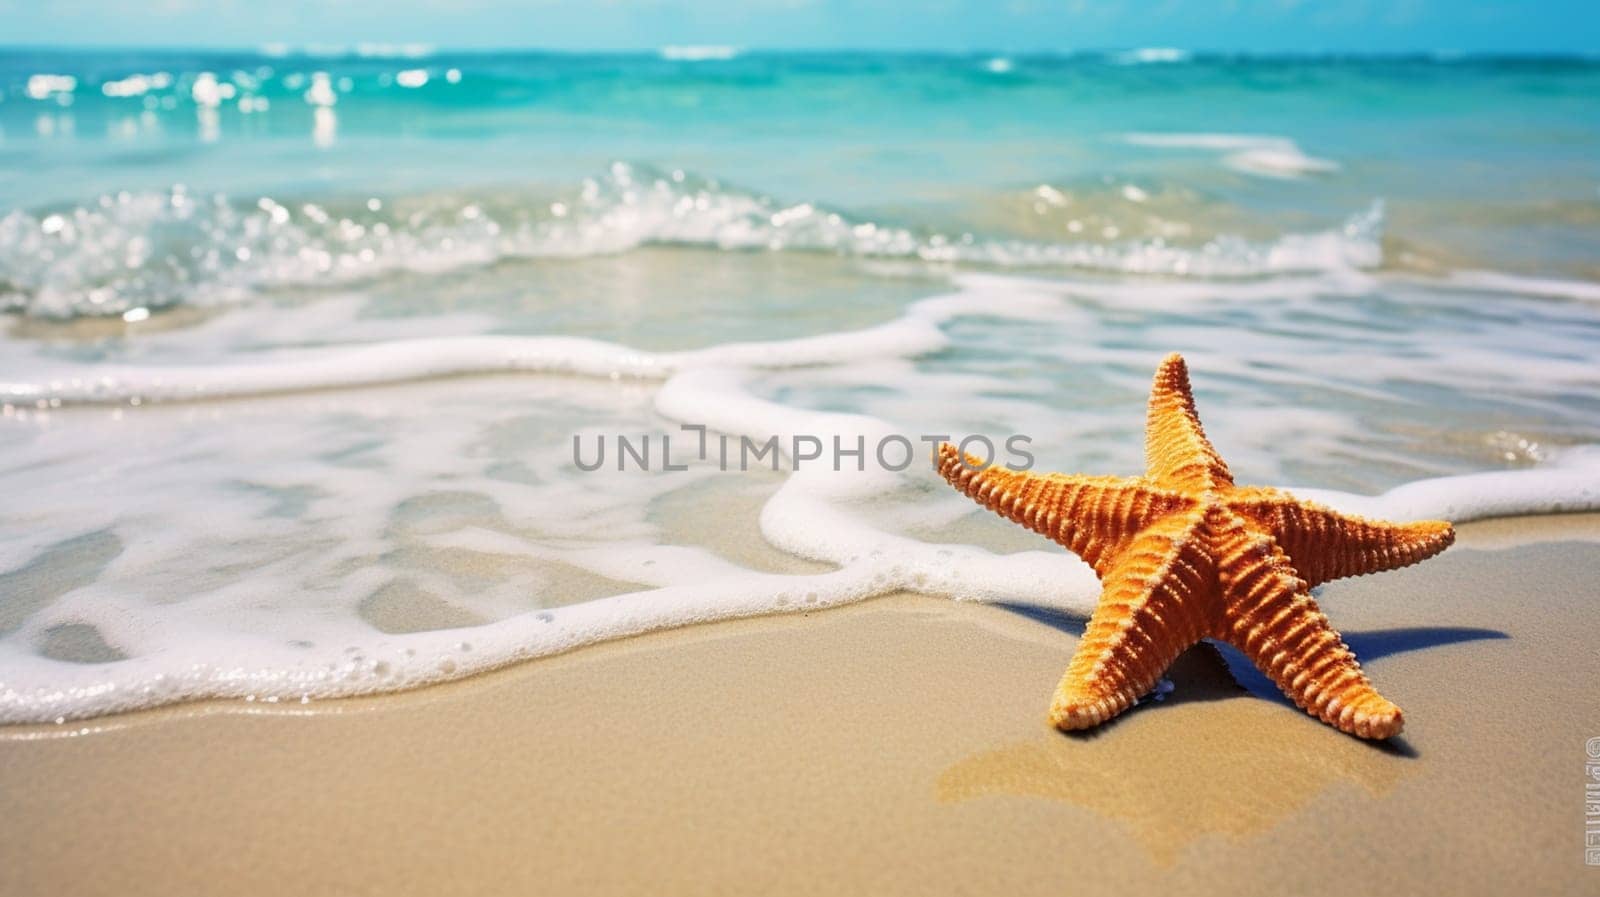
x: 1208, y: 760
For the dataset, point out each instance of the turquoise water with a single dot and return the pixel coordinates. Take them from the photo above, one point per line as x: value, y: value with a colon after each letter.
x: 1482, y: 162
x: 293, y: 349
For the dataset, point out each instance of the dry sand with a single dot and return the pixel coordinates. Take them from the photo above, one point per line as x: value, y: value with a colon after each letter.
x: 895, y: 747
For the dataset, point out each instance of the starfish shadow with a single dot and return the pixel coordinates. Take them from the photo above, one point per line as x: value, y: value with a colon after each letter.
x: 1215, y: 671
x: 1376, y: 643
x: 1071, y: 624
x: 1368, y: 645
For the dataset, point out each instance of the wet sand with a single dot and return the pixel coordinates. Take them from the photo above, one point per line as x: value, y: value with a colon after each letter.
x: 893, y: 747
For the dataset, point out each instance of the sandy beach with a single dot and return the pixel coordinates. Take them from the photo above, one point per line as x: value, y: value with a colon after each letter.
x: 504, y: 448
x: 896, y: 746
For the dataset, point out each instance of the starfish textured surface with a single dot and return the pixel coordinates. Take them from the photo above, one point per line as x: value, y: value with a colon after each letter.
x: 1183, y: 554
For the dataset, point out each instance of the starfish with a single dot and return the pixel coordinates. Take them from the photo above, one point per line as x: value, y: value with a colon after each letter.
x: 1183, y: 555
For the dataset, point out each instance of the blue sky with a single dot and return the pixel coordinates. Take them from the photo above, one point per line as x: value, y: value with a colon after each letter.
x: 1016, y: 25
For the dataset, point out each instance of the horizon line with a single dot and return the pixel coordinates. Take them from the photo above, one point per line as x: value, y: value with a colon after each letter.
x: 423, y: 49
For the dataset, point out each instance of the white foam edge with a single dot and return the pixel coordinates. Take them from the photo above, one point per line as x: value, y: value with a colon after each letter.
x: 808, y: 516
x: 1543, y: 287
x: 1568, y: 482
x: 916, y: 332
x: 1285, y: 164
x: 1262, y: 155
x: 415, y: 359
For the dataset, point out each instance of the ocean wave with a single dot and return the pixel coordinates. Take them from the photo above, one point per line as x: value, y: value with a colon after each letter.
x: 1547, y: 287
x: 1152, y: 56
x: 196, y: 650
x: 1262, y: 155
x: 290, y: 628
x: 207, y: 366
x: 698, y: 52
x: 361, y: 50
x: 134, y: 251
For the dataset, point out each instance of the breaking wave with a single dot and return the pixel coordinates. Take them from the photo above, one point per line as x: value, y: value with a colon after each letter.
x: 154, y: 250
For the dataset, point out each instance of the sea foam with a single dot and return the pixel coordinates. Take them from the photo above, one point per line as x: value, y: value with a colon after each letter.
x: 1262, y: 155
x: 167, y: 505
x: 152, y: 250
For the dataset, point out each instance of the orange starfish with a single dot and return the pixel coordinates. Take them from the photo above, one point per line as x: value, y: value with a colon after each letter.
x: 1183, y: 554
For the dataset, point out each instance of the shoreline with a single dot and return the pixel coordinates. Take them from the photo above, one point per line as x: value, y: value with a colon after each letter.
x: 893, y: 746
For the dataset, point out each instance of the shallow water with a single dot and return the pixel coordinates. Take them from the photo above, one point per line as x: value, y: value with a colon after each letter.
x: 296, y: 349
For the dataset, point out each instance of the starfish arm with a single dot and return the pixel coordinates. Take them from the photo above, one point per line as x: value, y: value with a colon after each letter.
x: 1177, y: 453
x: 1327, y: 545
x: 1269, y: 614
x: 1090, y: 516
x: 1157, y: 601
